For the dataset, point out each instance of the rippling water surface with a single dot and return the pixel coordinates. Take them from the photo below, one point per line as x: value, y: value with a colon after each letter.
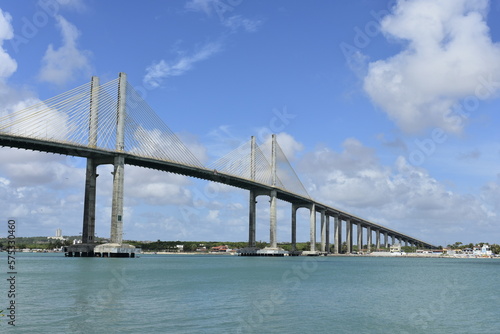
x: 230, y: 294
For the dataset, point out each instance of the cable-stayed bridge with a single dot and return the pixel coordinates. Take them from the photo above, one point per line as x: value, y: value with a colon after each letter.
x: 111, y: 124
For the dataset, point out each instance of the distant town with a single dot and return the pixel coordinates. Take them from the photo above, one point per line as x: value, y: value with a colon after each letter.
x: 58, y: 241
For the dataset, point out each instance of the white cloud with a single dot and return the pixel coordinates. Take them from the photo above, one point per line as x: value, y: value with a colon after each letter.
x: 54, y: 124
x: 222, y: 9
x: 400, y: 196
x: 205, y: 6
x: 62, y: 65
x: 213, y: 216
x: 155, y: 187
x: 447, y: 56
x: 171, y: 150
x: 194, y: 146
x: 286, y: 142
x: 41, y: 191
x: 7, y: 64
x: 161, y: 70
x: 30, y: 169
x: 236, y: 22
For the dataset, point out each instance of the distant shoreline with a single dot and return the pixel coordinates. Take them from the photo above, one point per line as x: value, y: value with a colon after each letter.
x: 375, y: 254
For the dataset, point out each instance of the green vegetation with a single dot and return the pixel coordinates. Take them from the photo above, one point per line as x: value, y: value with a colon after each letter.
x: 188, y: 246
x: 45, y: 243
x: 495, y: 248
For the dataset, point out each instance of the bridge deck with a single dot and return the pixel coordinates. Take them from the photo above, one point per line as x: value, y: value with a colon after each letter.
x: 106, y: 157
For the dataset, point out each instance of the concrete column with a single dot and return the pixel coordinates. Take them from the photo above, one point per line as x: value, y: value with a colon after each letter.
x: 369, y: 239
x: 273, y: 161
x: 94, y: 106
x: 117, y: 203
x: 294, y: 227
x: 252, y: 219
x: 120, y: 115
x: 393, y: 239
x: 119, y: 162
x: 327, y: 233
x: 312, y: 227
x: 349, y: 235
x: 252, y: 223
x: 323, y: 231
x: 252, y: 158
x: 377, y: 238
x: 360, y: 237
x: 337, y: 227
x: 386, y: 240
x: 406, y: 243
x: 88, y: 230
x: 273, y: 226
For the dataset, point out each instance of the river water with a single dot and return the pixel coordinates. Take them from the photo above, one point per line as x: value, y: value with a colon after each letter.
x: 231, y: 294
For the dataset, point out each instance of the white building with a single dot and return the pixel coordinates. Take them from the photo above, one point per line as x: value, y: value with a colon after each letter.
x: 485, y: 250
x: 58, y: 235
x: 396, y: 248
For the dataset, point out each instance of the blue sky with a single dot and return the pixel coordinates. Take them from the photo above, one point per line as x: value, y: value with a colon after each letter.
x: 390, y: 110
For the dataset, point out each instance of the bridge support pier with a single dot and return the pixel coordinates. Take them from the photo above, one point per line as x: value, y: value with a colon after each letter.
x: 312, y: 232
x: 86, y: 248
x: 253, y: 198
x: 348, y: 227
x: 273, y: 221
x: 252, y: 219
x: 294, y: 228
x: 337, y: 227
x: 377, y: 238
x: 312, y: 228
x: 323, y: 231
x: 369, y: 239
x: 327, y: 228
x: 360, y: 237
x: 116, y: 235
x: 273, y: 249
x: 88, y: 232
x: 116, y: 248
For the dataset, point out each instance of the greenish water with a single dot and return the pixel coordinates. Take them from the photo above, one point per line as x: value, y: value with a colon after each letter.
x: 230, y: 294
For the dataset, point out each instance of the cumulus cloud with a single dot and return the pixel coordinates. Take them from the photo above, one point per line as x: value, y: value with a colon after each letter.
x: 62, y: 65
x: 159, y: 71
x: 7, y: 64
x: 28, y: 169
x: 447, y: 56
x: 286, y: 142
x: 400, y: 196
x: 155, y: 187
x: 41, y: 190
